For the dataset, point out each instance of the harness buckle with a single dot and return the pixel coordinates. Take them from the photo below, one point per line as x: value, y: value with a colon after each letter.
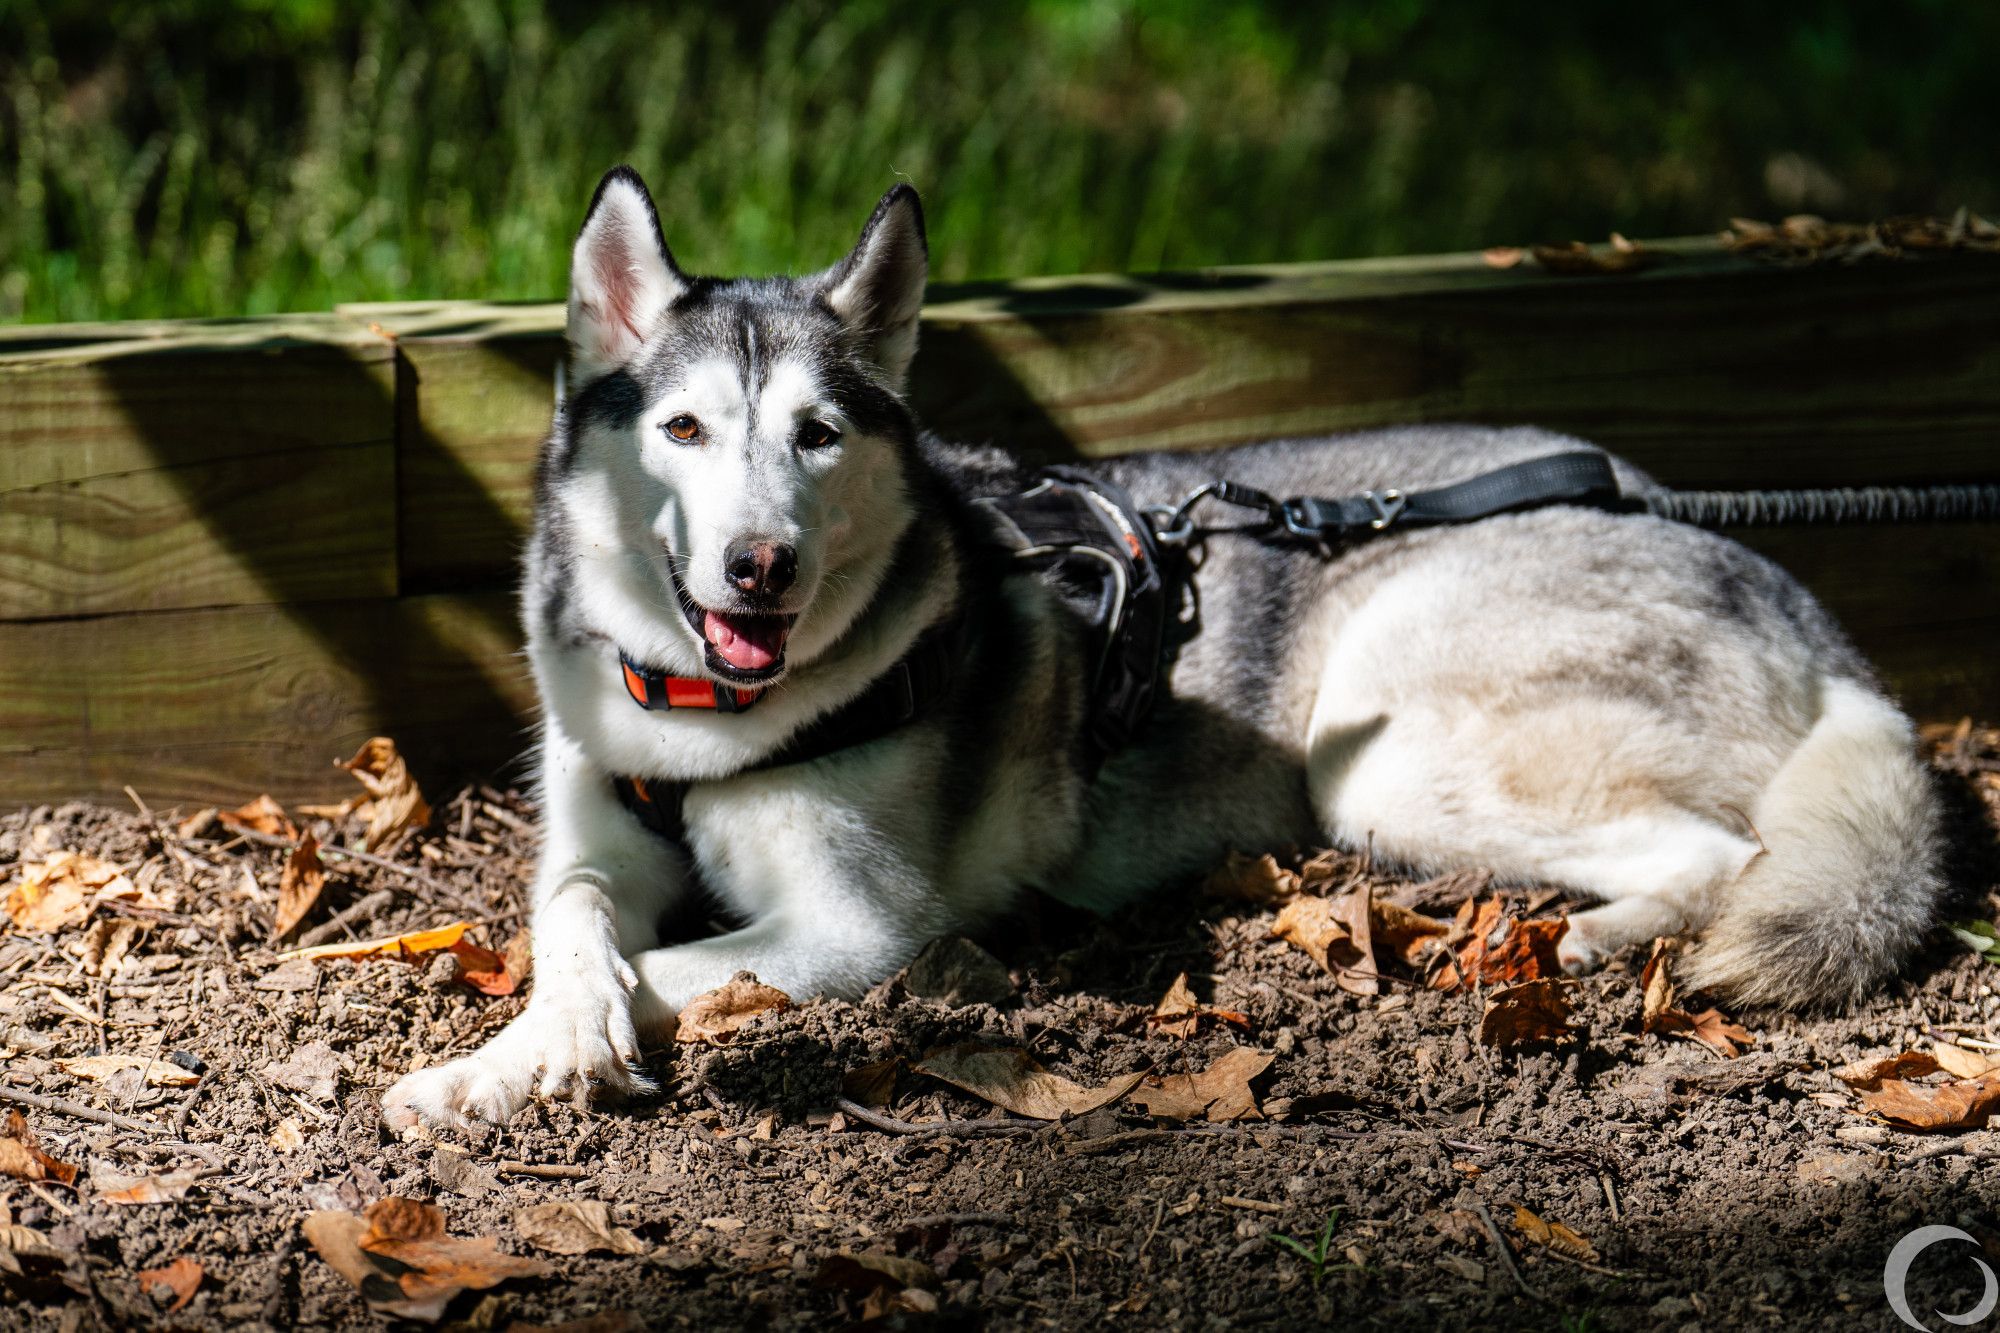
x: 1387, y: 506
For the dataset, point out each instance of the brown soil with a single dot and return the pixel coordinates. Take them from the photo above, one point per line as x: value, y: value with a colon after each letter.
x: 1717, y: 1193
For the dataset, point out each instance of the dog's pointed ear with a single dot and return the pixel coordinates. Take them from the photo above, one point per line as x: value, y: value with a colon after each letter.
x: 621, y: 276
x: 879, y: 288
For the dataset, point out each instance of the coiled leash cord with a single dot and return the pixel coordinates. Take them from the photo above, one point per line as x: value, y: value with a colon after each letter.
x: 1584, y: 479
x: 1848, y: 504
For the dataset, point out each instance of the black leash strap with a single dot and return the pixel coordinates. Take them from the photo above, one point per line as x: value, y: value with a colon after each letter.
x: 1560, y: 479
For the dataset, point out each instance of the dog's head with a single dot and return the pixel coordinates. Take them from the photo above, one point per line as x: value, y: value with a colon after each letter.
x: 736, y: 450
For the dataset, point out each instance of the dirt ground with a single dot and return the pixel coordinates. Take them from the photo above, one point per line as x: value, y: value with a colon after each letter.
x: 1714, y: 1192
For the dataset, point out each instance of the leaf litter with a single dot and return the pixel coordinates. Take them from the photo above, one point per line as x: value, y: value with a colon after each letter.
x: 1393, y: 1066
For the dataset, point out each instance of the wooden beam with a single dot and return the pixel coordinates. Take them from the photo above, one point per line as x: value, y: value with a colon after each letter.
x: 1709, y: 370
x: 217, y: 705
x: 201, y: 463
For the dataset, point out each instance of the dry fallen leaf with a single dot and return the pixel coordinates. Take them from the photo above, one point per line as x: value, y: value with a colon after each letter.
x: 1403, y: 931
x: 157, y: 1072
x: 106, y: 944
x: 872, y: 1084
x: 165, y: 1187
x: 393, y: 946
x: 182, y: 1278
x: 395, y: 804
x: 1888, y: 1088
x: 1623, y: 257
x: 575, y: 1226
x: 21, y: 1154
x: 298, y: 887
x: 400, y: 1259
x: 1532, y: 1013
x: 1961, y: 1063
x: 62, y: 892
x: 1011, y: 1080
x: 483, y: 970
x: 715, y: 1016
x: 956, y: 971
x: 1503, y: 256
x: 1554, y: 1236
x: 1658, y: 1012
x: 1219, y: 1093
x: 262, y: 815
x: 1335, y: 933
x: 1252, y: 879
x: 1179, y: 1013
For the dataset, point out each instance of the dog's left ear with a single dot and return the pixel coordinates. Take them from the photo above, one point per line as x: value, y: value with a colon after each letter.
x: 878, y: 289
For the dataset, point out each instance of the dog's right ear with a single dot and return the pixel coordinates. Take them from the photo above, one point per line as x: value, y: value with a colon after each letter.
x: 621, y: 277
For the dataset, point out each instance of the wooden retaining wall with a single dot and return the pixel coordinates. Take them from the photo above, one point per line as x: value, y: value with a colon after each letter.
x: 230, y: 550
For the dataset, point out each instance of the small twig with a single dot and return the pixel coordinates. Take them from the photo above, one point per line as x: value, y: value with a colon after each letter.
x: 1506, y: 1254
x: 956, y: 1129
x: 81, y: 1112
x: 365, y: 858
x: 542, y: 1170
x: 1610, y: 1195
x: 346, y: 916
x: 187, y: 1105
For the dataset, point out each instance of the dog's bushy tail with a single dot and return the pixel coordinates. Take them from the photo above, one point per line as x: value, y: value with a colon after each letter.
x: 1849, y: 881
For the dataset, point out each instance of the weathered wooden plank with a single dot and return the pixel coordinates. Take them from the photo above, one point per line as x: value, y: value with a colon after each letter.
x: 218, y: 705
x: 1710, y: 370
x: 198, y: 463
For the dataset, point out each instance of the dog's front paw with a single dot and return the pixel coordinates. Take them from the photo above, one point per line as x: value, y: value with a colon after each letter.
x: 557, y: 1048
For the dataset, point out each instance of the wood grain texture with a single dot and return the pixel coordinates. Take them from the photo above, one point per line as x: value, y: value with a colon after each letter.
x: 218, y: 705
x: 156, y: 466
x: 1708, y: 370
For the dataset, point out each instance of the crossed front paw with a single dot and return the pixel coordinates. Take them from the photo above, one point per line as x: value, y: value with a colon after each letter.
x: 554, y: 1049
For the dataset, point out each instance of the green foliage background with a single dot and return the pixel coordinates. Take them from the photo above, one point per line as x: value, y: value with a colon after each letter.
x: 217, y: 157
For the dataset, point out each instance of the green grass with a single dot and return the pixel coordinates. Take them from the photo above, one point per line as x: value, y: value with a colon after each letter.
x: 203, y: 157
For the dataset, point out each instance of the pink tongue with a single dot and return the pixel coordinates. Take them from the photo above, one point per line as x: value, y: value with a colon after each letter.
x: 748, y: 643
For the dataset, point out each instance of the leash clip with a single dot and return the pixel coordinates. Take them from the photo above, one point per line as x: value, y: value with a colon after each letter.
x: 1174, y: 525
x: 1387, y: 506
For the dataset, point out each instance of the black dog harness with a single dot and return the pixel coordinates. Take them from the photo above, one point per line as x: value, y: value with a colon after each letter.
x: 1128, y: 572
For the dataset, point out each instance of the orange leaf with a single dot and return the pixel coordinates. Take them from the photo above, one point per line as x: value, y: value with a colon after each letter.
x: 1179, y: 1013
x: 715, y: 1016
x: 395, y: 804
x: 1011, y: 1079
x: 393, y: 946
x: 262, y: 815
x: 63, y: 891
x: 1530, y: 1014
x: 1406, y: 933
x: 404, y: 1264
x: 298, y: 887
x: 1554, y: 1235
x: 21, y: 1154
x: 182, y: 1277
x: 166, y: 1187
x: 482, y: 969
x: 1964, y: 1104
x: 1220, y: 1093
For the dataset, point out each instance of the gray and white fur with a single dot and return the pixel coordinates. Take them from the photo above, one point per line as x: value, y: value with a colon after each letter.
x: 1646, y: 714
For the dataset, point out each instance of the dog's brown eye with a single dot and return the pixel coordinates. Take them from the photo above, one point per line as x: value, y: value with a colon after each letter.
x: 683, y: 427
x: 817, y: 435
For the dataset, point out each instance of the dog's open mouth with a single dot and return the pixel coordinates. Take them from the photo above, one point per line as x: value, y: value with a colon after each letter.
x: 744, y: 647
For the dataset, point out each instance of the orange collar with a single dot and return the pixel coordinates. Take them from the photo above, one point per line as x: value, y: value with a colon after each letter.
x: 656, y: 690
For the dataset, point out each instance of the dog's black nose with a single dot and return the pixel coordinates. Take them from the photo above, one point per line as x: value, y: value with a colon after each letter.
x: 763, y: 569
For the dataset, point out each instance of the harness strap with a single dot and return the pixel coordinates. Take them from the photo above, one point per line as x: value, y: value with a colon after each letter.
x: 1571, y: 479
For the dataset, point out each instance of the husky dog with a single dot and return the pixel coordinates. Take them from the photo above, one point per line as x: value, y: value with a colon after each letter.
x: 734, y: 494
